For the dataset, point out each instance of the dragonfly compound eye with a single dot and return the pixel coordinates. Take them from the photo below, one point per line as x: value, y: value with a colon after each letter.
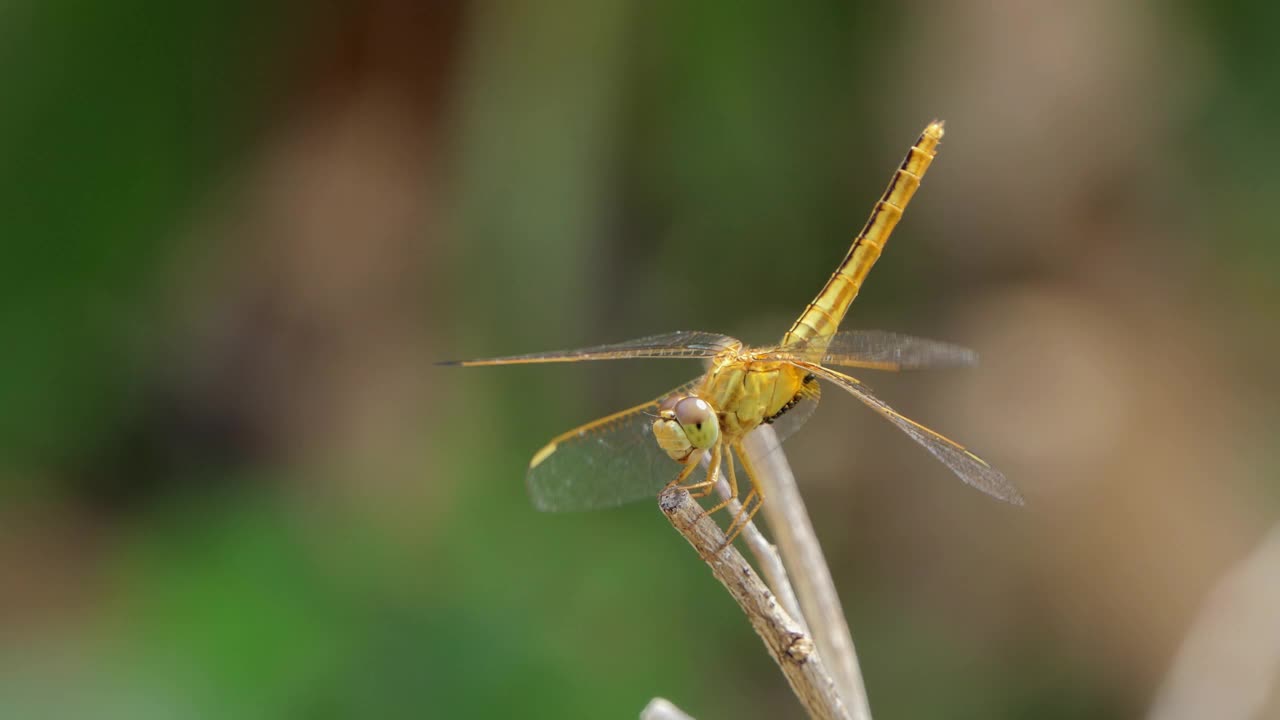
x: 698, y: 420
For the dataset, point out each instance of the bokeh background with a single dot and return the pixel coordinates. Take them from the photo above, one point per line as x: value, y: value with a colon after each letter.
x: 236, y: 236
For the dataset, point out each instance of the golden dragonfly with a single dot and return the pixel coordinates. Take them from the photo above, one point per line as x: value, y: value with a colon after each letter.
x: 629, y: 455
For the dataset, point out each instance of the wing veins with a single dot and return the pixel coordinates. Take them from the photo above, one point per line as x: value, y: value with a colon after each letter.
x: 970, y: 468
x: 880, y: 350
x: 603, y: 463
x: 683, y: 344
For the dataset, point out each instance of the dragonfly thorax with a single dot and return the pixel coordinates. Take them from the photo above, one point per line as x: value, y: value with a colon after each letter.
x: 752, y: 391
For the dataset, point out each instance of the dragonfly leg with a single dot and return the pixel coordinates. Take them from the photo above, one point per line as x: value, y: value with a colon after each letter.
x: 733, y: 485
x: 685, y: 472
x: 747, y: 512
x: 704, y: 488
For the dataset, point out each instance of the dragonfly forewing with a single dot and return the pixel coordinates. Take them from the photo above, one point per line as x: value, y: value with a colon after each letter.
x: 605, y: 463
x: 681, y: 344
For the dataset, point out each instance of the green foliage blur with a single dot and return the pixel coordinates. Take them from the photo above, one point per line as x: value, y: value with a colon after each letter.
x: 235, y: 238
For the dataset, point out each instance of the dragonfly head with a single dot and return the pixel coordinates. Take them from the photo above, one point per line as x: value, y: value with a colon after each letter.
x: 686, y: 424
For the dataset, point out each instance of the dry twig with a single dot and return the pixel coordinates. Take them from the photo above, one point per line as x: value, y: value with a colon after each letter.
x: 663, y: 709
x: 767, y: 558
x: 1229, y: 662
x: 802, y: 554
x: 788, y: 643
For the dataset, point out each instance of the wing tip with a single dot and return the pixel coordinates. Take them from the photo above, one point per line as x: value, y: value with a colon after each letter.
x: 1002, y: 489
x: 1005, y: 491
x: 537, y: 497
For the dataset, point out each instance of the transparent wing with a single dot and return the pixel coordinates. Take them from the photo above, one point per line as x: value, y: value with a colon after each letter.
x: 880, y: 350
x: 605, y: 463
x: 969, y: 467
x: 681, y: 344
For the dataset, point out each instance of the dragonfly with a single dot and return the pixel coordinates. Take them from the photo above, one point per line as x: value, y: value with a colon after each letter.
x: 641, y: 451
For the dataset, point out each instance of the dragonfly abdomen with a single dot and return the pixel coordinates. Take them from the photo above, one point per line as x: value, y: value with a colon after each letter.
x: 822, y: 317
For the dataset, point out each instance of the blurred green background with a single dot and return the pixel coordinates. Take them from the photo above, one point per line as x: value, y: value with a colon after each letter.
x: 236, y: 236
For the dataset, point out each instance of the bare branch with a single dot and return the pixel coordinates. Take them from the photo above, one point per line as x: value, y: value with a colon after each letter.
x: 788, y: 643
x: 663, y: 709
x: 767, y: 557
x: 793, y: 531
x: 1230, y: 660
